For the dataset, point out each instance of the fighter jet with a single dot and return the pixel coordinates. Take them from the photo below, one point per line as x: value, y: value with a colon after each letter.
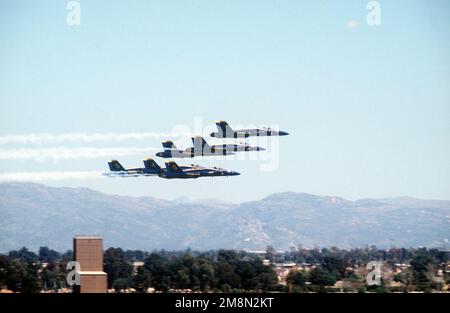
x: 118, y: 170
x: 171, y: 151
x: 202, y: 148
x: 225, y: 131
x: 150, y: 169
x: 200, y: 143
x: 194, y: 171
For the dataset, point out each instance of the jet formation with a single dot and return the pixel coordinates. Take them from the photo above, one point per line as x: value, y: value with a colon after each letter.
x: 171, y: 170
x: 200, y: 148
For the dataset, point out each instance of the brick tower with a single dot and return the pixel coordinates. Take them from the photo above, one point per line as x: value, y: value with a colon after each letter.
x: 88, y: 251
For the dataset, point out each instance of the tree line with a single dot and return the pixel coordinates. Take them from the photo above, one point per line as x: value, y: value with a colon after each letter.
x: 225, y: 270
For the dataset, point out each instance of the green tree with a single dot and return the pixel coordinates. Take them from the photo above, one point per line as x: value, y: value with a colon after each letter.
x: 322, y: 277
x: 121, y: 283
x: 226, y: 275
x: 142, y: 280
x: 159, y: 269
x: 420, y: 270
x: 335, y: 265
x: 206, y: 274
x: 5, y: 263
x: 30, y: 281
x: 267, y: 280
x: 51, y: 276
x: 298, y: 278
x: 248, y: 274
x: 117, y: 266
x: 24, y: 255
x: 15, y: 273
x: 48, y: 255
x: 228, y: 256
x: 183, y: 278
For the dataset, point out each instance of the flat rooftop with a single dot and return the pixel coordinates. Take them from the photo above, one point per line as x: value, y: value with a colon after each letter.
x: 88, y: 237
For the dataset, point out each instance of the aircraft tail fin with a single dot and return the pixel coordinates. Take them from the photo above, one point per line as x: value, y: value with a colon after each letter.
x: 224, y: 128
x: 150, y: 164
x: 167, y: 145
x: 172, y: 167
x: 115, y: 166
x: 200, y: 143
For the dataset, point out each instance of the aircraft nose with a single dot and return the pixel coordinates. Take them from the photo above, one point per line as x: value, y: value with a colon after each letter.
x: 281, y: 133
x: 159, y: 154
x: 260, y: 149
x: 233, y: 173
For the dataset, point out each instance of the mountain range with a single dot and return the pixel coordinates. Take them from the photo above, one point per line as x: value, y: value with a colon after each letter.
x: 34, y: 215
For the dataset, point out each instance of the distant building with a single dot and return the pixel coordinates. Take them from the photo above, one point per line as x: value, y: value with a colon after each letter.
x: 282, y: 270
x: 88, y: 251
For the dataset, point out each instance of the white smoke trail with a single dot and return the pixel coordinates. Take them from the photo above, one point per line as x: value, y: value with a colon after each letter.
x: 62, y: 153
x: 45, y: 176
x: 84, y: 137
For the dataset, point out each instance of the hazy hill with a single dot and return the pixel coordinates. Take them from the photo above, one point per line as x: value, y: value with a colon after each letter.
x: 34, y: 215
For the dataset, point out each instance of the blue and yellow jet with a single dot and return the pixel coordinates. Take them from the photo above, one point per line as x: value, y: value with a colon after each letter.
x: 172, y: 170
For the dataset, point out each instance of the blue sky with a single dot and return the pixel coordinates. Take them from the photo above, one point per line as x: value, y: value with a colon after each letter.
x: 368, y: 108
